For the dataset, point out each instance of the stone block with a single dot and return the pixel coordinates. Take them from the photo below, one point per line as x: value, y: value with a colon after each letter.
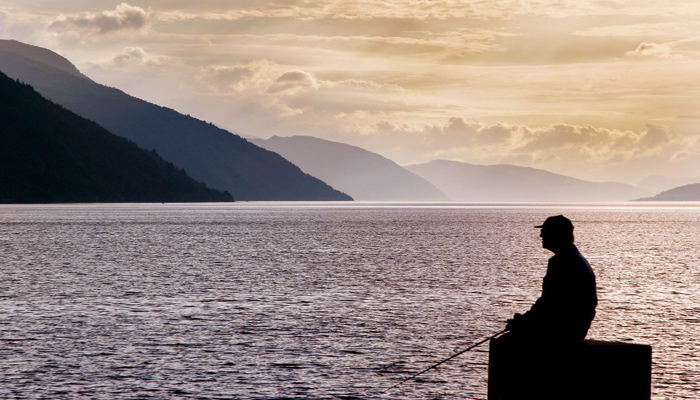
x: 590, y: 370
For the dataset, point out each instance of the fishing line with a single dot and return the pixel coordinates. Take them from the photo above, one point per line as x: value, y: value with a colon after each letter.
x: 446, y: 360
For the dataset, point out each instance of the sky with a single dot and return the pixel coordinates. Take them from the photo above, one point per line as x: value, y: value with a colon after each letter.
x: 595, y: 89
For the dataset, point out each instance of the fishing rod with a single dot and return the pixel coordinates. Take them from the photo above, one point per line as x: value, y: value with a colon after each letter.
x: 446, y: 360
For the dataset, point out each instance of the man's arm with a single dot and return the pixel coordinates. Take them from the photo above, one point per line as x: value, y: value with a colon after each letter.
x: 543, y: 307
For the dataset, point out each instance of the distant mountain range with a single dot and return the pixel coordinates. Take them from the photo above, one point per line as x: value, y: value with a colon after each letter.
x: 656, y: 184
x: 50, y: 155
x: 683, y: 193
x: 212, y: 155
x: 361, y: 174
x: 509, y: 183
x: 369, y: 176
x: 253, y: 170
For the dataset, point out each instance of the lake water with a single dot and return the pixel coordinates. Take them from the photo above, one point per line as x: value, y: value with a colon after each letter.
x: 319, y: 301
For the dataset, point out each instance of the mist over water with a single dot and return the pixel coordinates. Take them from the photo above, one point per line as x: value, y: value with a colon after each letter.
x: 319, y: 301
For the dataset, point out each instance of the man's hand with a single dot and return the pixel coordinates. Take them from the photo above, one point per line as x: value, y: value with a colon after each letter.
x: 512, y: 324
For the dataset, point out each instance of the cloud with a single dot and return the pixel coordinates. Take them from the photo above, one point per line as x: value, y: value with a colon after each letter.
x: 262, y: 83
x: 557, y: 146
x: 137, y: 64
x: 346, y: 10
x: 136, y: 55
x: 654, y: 137
x: 21, y: 25
x: 293, y: 82
x: 462, y: 133
x: 364, y: 85
x: 420, y: 9
x: 676, y: 50
x: 123, y: 17
x: 227, y: 79
x: 250, y: 79
x: 651, y: 50
x: 262, y: 79
x: 290, y: 92
x: 596, y: 145
x: 426, y: 45
x: 640, y: 30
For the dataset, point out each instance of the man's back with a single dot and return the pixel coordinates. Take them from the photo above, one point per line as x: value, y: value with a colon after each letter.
x: 567, y: 305
x: 566, y: 308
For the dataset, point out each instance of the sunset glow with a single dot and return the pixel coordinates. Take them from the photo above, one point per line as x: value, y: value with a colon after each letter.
x: 599, y: 90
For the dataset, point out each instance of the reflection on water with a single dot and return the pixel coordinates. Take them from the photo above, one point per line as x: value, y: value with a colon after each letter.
x: 318, y: 300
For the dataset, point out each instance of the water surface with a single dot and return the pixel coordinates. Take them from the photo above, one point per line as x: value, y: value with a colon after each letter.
x: 318, y: 300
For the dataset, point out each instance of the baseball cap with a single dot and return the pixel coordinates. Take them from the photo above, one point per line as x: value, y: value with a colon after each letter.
x: 557, y: 223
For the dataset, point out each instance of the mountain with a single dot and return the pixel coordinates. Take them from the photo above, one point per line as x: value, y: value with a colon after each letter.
x: 50, y: 155
x: 362, y: 174
x: 509, y: 183
x: 217, y: 157
x: 656, y: 183
x: 683, y: 193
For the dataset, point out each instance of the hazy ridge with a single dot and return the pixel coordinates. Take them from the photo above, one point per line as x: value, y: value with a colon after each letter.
x: 50, y: 155
x: 657, y: 184
x: 509, y: 183
x: 683, y: 193
x: 217, y: 157
x: 360, y: 173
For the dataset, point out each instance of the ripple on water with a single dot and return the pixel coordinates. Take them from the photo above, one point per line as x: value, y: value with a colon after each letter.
x: 294, y: 302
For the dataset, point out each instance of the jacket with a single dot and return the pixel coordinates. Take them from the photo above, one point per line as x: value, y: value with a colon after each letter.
x: 567, y: 305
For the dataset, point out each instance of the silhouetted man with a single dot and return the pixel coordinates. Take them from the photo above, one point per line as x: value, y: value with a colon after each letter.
x: 533, y: 359
x: 564, y: 311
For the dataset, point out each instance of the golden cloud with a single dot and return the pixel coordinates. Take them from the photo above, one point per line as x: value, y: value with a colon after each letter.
x: 652, y: 50
x: 422, y: 9
x: 123, y: 17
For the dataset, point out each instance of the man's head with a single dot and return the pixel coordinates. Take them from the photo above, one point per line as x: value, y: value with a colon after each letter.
x: 556, y: 231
